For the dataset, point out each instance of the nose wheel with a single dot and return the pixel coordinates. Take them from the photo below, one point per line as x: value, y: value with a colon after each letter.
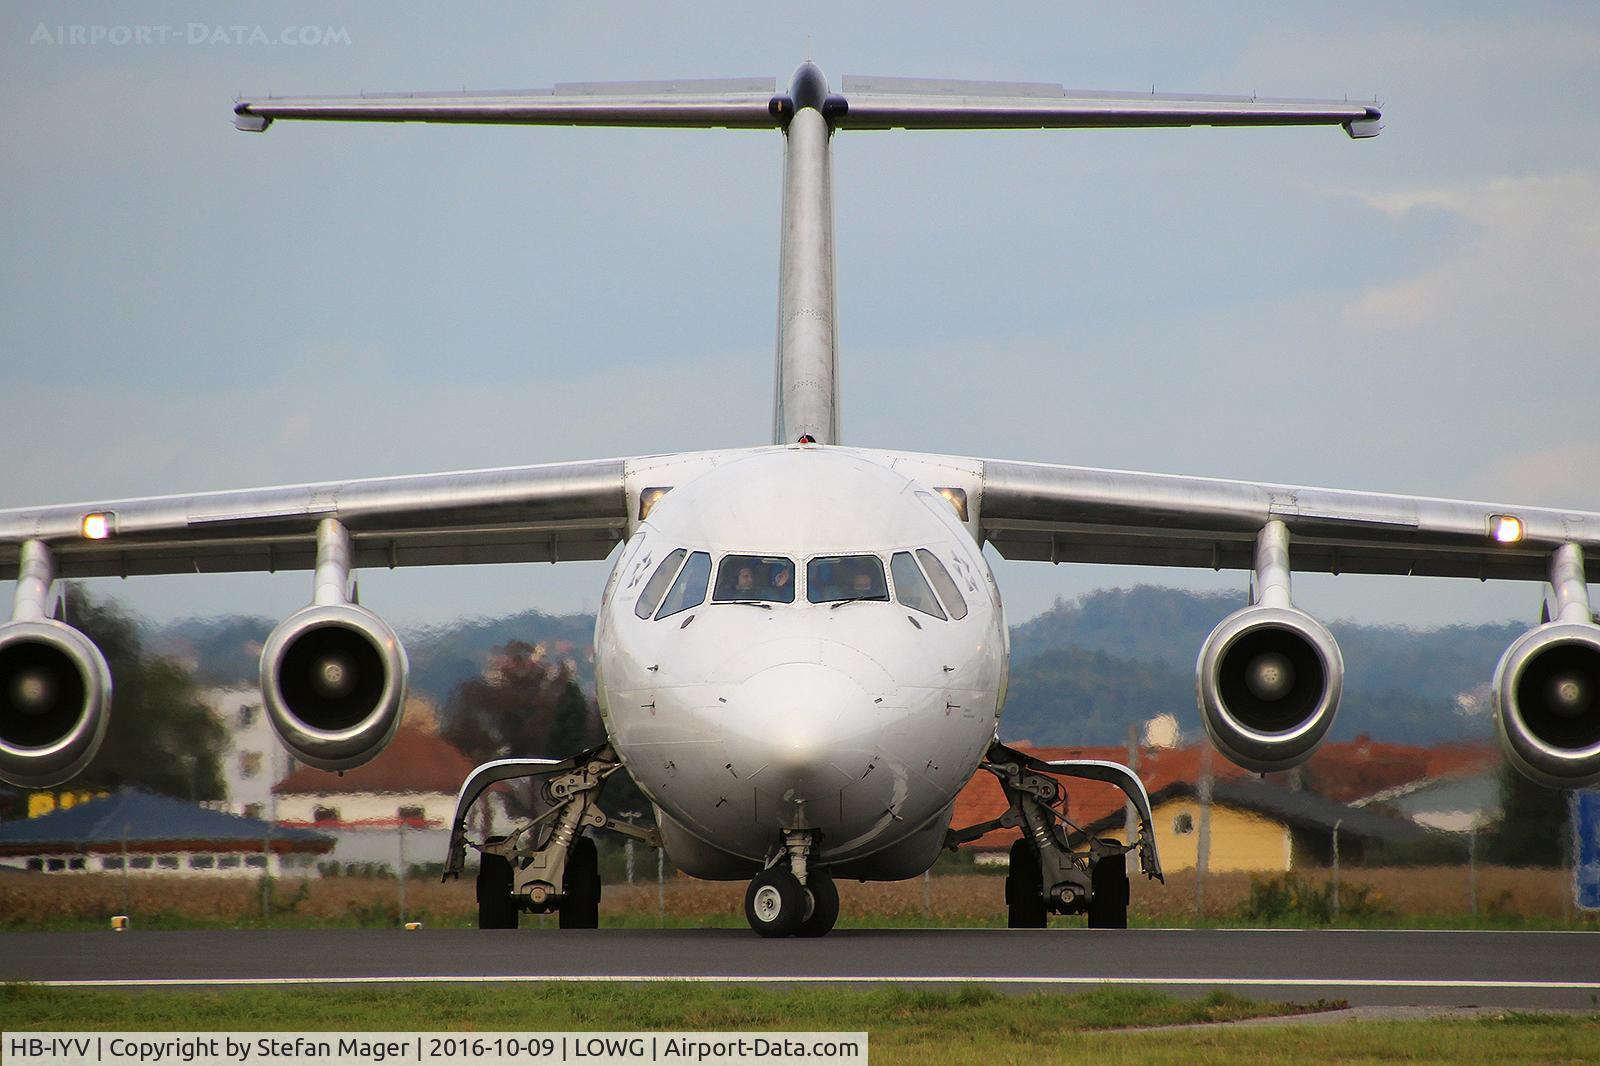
x: 824, y: 898
x: 791, y: 897
x: 775, y: 904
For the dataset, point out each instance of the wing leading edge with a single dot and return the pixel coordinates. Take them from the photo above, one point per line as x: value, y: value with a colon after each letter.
x: 1078, y: 514
x: 547, y: 513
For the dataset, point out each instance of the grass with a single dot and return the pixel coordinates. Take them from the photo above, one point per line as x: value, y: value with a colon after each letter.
x: 966, y: 1025
x: 1419, y: 897
x: 902, y: 1015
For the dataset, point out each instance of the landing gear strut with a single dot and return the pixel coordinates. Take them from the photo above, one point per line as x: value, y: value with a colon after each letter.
x: 545, y: 864
x: 1055, y: 866
x: 791, y: 897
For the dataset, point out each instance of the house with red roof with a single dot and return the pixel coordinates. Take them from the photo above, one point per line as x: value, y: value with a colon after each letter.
x: 1276, y: 823
x: 399, y: 803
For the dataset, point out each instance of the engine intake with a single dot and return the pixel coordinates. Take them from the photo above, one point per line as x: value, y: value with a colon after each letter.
x: 55, y: 702
x: 1269, y: 676
x: 1268, y: 682
x: 333, y: 675
x: 334, y: 678
x: 1547, y: 687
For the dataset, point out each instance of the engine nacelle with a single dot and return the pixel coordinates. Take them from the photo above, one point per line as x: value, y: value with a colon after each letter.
x: 333, y: 677
x: 1268, y: 682
x: 1547, y: 704
x: 55, y: 702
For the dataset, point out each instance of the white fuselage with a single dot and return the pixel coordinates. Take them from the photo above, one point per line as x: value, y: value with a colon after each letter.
x: 747, y: 715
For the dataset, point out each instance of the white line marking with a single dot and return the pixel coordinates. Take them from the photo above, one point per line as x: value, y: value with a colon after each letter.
x: 1257, y: 982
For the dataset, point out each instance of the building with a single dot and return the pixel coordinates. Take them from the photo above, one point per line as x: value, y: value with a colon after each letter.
x: 403, y: 798
x: 142, y: 833
x: 1258, y: 826
x: 254, y: 761
x: 1088, y: 802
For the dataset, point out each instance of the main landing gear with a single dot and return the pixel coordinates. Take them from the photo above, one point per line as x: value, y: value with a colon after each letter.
x: 791, y: 897
x: 545, y: 864
x: 1055, y: 866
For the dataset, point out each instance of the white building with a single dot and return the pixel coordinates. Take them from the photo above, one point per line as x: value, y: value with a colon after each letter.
x: 404, y: 798
x: 254, y: 761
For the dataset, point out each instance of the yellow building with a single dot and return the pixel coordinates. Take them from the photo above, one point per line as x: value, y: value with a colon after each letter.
x: 42, y: 803
x: 1258, y: 827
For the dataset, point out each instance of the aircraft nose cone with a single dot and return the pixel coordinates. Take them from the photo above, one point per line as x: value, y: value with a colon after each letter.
x: 793, y: 725
x: 798, y: 708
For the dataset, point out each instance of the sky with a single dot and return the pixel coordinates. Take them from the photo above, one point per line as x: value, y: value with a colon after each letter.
x: 185, y: 307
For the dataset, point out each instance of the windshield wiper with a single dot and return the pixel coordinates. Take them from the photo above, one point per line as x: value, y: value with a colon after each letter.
x: 856, y: 599
x: 753, y: 603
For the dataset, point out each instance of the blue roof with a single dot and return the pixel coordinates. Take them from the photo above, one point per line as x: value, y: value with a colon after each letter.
x: 143, y: 817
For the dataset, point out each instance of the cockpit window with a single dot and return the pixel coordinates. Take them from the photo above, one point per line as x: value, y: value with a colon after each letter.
x: 656, y: 587
x: 755, y: 579
x: 911, y: 588
x: 838, y: 578
x: 944, y: 583
x: 690, y: 588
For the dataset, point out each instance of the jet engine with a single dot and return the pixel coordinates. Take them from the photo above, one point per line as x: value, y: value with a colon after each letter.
x: 55, y: 702
x: 1269, y: 676
x: 55, y: 687
x: 1547, y: 687
x: 333, y: 675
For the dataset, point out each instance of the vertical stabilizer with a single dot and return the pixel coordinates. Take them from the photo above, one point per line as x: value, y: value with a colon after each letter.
x: 806, y: 403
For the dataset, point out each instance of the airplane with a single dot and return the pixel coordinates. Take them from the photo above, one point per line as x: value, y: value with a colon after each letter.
x: 801, y: 653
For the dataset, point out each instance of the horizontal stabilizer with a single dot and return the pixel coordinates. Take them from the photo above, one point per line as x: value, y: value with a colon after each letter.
x: 729, y: 102
x: 927, y: 104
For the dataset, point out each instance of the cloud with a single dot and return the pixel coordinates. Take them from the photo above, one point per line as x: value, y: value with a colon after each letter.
x: 1563, y: 472
x: 1526, y: 284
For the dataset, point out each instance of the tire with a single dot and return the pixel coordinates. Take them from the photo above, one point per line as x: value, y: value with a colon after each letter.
x: 1025, y: 889
x: 580, y: 901
x: 824, y: 905
x: 496, y: 907
x: 775, y: 903
x: 1108, y: 893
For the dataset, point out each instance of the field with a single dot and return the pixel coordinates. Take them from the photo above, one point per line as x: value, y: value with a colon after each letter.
x: 1426, y: 896
x: 968, y: 1025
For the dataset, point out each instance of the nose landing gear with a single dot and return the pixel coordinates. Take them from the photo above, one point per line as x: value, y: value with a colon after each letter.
x: 791, y: 897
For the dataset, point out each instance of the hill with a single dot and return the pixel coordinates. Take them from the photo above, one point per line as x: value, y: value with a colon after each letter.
x: 1081, y: 673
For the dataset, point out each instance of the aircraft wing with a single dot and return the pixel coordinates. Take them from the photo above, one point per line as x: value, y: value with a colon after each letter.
x: 916, y: 103
x: 1078, y: 514
x: 548, y: 513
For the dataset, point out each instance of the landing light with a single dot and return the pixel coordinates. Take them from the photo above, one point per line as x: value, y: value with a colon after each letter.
x: 1505, y: 528
x: 649, y: 498
x: 98, y: 525
x: 956, y: 498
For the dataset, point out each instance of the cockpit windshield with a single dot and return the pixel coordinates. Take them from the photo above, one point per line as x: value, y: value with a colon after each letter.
x: 839, y: 578
x: 754, y: 579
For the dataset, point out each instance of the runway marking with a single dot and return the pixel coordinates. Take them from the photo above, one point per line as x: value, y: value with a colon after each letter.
x: 1254, y: 982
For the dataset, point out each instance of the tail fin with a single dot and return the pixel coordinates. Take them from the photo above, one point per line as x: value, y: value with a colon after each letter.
x: 806, y: 404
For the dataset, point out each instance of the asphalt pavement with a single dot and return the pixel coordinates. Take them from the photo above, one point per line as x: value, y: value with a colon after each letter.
x: 1363, y: 967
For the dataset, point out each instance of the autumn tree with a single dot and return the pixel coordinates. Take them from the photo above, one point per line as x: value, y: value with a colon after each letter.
x: 160, y: 737
x: 526, y: 705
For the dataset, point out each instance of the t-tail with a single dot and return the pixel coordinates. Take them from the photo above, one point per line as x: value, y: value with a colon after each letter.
x: 808, y: 112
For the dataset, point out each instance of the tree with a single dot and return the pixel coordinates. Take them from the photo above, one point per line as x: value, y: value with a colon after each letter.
x: 160, y: 737
x: 1533, y: 828
x: 525, y: 705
